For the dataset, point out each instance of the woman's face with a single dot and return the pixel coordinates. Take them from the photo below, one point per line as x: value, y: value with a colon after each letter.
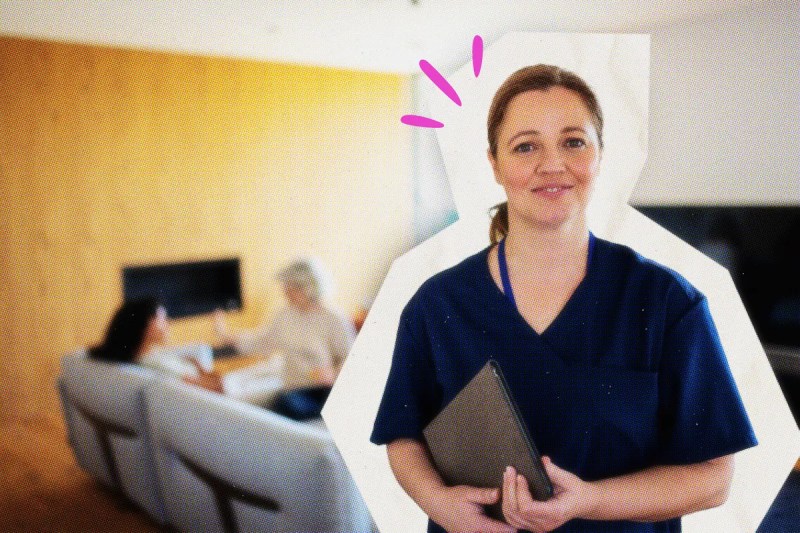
x: 547, y: 157
x: 296, y: 296
x: 157, y: 331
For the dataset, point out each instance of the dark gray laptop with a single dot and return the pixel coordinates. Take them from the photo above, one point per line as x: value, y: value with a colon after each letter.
x: 479, y: 433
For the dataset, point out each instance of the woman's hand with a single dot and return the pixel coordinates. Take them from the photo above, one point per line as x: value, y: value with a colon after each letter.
x: 323, y: 375
x: 638, y: 496
x: 220, y: 324
x: 456, y: 509
x: 205, y: 379
x: 460, y: 509
x: 572, y: 498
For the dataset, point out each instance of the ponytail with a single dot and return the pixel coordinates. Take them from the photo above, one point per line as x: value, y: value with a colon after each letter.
x: 499, y: 227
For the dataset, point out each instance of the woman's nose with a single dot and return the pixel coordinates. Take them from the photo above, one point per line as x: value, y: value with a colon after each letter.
x: 551, y: 161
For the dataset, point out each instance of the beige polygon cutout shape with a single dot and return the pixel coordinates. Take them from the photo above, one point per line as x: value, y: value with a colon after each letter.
x: 617, y: 67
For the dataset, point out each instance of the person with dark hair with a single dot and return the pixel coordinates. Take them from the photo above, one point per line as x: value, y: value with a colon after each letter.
x: 138, y: 333
x: 613, y: 359
x: 132, y: 330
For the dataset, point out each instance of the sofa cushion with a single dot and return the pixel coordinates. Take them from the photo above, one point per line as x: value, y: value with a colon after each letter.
x: 279, y: 475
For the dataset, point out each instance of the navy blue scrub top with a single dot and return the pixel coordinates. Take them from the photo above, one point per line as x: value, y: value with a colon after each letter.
x: 630, y: 374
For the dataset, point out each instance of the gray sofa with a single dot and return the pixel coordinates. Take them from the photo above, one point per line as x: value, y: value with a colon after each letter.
x: 201, y: 461
x: 257, y: 469
x: 105, y: 412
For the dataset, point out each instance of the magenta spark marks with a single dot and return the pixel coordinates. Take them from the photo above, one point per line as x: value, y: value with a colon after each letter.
x: 419, y: 121
x: 477, y: 54
x: 443, y: 85
x: 439, y: 81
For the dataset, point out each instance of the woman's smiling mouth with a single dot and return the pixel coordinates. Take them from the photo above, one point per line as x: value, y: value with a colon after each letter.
x: 552, y: 189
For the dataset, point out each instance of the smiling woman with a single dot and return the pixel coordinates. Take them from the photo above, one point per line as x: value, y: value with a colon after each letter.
x: 547, y: 173
x: 571, y: 136
x: 613, y: 359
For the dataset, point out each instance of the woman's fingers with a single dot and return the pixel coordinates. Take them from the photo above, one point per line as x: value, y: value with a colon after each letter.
x: 483, y: 496
x: 206, y: 380
x: 510, y: 504
x: 557, y: 475
x: 509, y: 489
x: 490, y: 525
x: 527, y: 512
x: 522, y: 511
x: 197, y: 365
x: 461, y: 509
x: 220, y: 325
x: 536, y: 515
x: 524, y: 498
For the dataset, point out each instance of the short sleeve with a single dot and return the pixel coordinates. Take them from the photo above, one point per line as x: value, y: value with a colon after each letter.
x: 342, y: 335
x: 702, y: 414
x: 411, y: 394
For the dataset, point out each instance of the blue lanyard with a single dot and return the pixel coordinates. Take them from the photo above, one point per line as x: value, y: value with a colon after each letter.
x: 501, y: 259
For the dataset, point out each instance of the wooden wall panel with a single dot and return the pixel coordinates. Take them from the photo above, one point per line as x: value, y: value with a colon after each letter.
x: 117, y: 157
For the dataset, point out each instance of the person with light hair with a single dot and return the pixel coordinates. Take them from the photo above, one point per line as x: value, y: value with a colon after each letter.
x: 313, y: 338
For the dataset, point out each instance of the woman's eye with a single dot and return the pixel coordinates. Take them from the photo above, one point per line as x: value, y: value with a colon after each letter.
x: 575, y: 143
x: 523, y: 148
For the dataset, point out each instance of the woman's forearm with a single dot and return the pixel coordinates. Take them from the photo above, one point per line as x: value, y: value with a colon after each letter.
x: 412, y: 466
x: 662, y: 492
x: 246, y: 341
x: 253, y: 341
x: 459, y: 508
x: 651, y: 495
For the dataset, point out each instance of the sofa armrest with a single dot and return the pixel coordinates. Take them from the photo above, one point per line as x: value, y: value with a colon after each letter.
x: 107, y: 427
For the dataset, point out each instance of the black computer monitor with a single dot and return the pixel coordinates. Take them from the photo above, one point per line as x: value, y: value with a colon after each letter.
x: 187, y: 289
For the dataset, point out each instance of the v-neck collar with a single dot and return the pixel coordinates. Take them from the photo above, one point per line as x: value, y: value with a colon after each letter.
x: 507, y: 294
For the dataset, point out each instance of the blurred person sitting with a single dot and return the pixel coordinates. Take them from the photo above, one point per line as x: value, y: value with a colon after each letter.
x: 139, y: 332
x: 313, y: 338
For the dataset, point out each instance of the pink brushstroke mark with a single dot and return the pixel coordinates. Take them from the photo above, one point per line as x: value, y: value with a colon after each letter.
x: 444, y: 86
x: 422, y: 122
x: 477, y: 54
x: 439, y: 81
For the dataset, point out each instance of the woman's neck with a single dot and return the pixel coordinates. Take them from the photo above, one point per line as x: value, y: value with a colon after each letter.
x: 308, y: 307
x: 147, y: 347
x: 552, y: 249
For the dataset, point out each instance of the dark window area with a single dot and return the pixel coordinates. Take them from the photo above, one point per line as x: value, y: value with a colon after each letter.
x: 760, y: 246
x: 187, y: 289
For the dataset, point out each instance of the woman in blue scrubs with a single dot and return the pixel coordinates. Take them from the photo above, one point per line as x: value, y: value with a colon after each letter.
x: 613, y: 359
